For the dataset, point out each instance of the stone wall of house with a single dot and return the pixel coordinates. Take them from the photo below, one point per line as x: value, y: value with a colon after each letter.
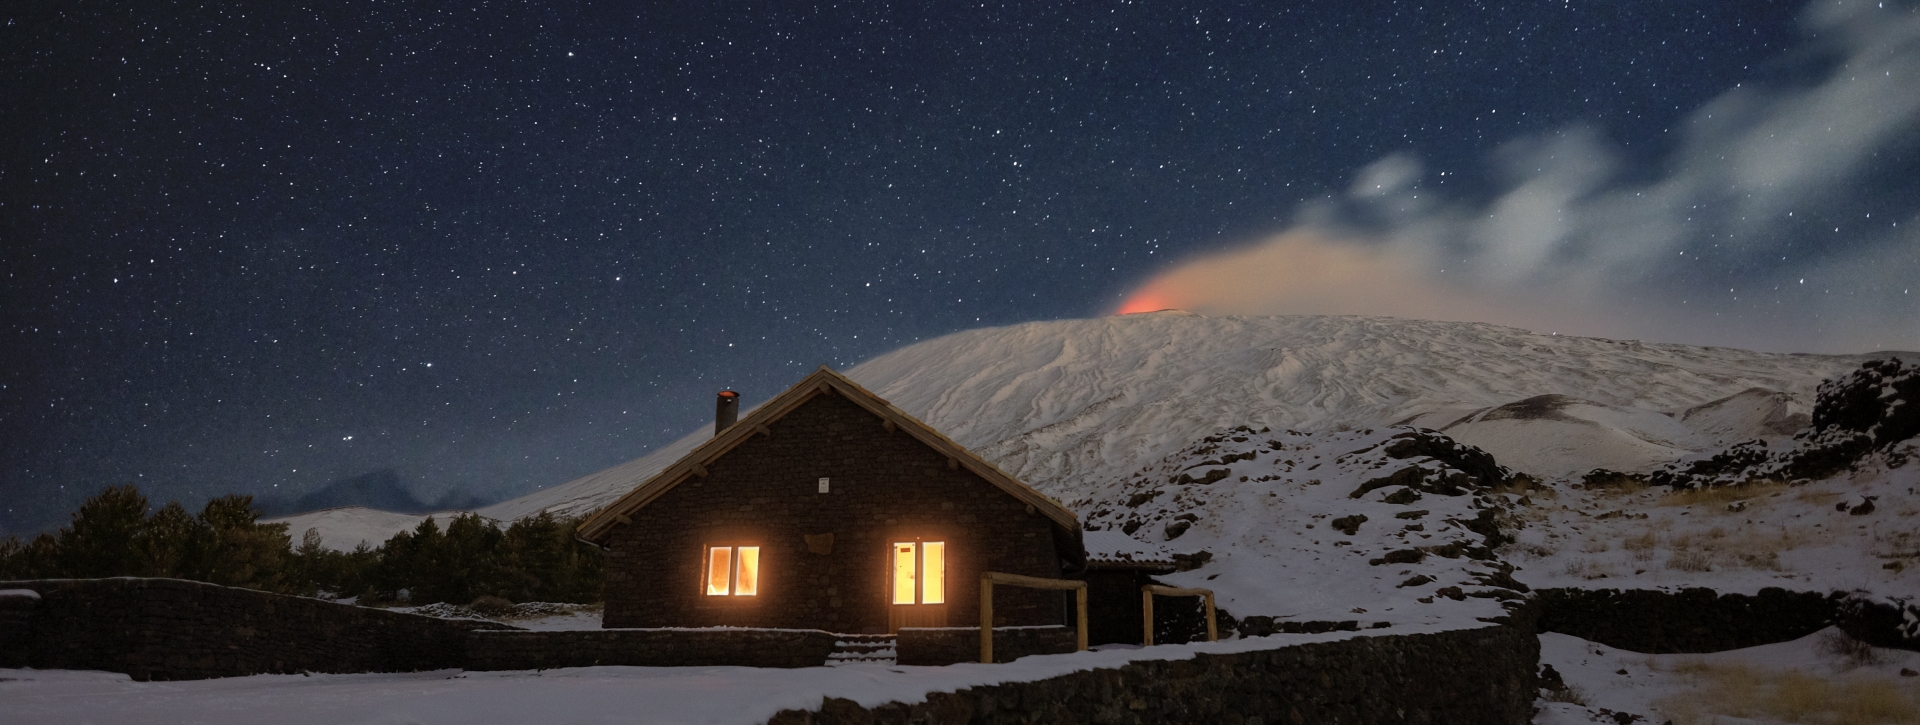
x: 948, y: 645
x: 1483, y: 676
x: 885, y: 486
x: 1690, y: 620
x: 511, y: 650
x: 169, y: 629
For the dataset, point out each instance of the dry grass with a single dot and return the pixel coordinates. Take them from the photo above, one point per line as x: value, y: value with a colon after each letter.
x: 1849, y: 651
x: 1750, y: 548
x: 1588, y: 569
x: 1596, y: 545
x: 1537, y: 551
x: 1642, y: 542
x: 1690, y: 561
x: 1716, y: 499
x: 1568, y: 694
x: 1820, y: 497
x: 1791, y: 696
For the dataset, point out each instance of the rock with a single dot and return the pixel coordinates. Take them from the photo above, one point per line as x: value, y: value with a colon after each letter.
x: 1865, y: 507
x: 1601, y: 478
x: 1402, y: 496
x: 1175, y: 529
x: 1205, y: 479
x: 1349, y: 525
x: 1416, y: 580
x: 1402, y: 556
x: 1550, y: 678
x: 1453, y: 593
x: 1190, y: 562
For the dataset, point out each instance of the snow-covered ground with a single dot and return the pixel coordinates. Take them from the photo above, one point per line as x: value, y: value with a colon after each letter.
x: 1733, y: 541
x: 1294, y: 530
x: 1060, y: 402
x: 662, y: 695
x: 1802, y: 681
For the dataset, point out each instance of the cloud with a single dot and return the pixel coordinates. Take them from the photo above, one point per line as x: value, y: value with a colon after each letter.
x: 1768, y: 187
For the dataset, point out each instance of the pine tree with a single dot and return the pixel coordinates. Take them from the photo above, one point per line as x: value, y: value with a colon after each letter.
x: 100, y: 541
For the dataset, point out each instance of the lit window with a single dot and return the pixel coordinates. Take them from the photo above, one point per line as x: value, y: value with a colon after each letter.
x: 920, y: 572
x: 733, y: 570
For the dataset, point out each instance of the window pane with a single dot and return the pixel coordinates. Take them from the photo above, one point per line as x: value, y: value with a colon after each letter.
x: 934, y: 573
x: 719, y: 564
x: 747, y: 582
x: 903, y: 555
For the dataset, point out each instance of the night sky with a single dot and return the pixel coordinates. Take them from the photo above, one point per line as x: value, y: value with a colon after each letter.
x: 491, y: 247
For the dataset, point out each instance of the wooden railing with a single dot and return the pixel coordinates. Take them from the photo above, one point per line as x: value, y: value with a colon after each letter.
x: 988, y: 579
x: 1146, y: 607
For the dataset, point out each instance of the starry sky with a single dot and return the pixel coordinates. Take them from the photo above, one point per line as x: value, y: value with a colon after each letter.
x: 487, y: 247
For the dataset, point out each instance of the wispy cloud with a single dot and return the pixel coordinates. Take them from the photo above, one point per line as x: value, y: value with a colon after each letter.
x: 1786, y: 218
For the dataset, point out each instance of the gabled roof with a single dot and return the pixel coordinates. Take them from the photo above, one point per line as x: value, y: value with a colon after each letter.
x: 821, y: 382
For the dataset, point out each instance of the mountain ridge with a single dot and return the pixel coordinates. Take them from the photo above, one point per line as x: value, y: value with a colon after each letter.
x: 1061, y: 403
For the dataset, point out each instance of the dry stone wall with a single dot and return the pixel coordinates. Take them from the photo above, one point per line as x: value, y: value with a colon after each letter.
x: 169, y: 629
x: 1690, y: 620
x: 948, y: 645
x: 1483, y: 676
x: 504, y: 650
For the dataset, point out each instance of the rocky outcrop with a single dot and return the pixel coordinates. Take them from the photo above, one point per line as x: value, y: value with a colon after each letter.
x: 1872, y: 411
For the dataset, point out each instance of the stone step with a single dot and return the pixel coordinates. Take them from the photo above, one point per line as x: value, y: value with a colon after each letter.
x: 863, y: 649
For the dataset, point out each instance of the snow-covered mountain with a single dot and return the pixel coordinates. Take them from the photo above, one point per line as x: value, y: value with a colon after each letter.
x: 1069, y: 405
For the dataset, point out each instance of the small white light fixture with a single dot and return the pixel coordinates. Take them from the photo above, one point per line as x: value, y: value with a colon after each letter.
x: 823, y: 485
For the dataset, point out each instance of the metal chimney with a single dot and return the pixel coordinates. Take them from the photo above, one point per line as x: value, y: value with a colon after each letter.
x: 726, y: 410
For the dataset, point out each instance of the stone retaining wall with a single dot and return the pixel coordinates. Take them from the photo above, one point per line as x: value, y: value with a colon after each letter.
x: 1480, y: 676
x: 503, y: 650
x: 170, y: 629
x: 948, y: 645
x: 1690, y: 620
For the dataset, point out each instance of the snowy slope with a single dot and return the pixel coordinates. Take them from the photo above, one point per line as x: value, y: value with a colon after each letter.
x: 1372, y: 526
x: 1060, y: 403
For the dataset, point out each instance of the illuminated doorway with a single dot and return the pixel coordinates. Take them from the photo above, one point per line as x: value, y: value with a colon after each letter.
x: 917, y: 584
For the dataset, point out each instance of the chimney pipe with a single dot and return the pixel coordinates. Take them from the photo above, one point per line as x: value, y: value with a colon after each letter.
x: 726, y: 410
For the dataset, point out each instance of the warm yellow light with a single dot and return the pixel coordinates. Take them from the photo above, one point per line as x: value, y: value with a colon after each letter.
x: 934, y: 573
x: 903, y: 571
x: 719, y: 565
x: 747, y: 581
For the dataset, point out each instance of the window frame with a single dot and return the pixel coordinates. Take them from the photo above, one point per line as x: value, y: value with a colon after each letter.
x: 735, y: 564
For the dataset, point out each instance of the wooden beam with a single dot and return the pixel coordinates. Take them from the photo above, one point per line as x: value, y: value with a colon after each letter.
x: 1080, y: 618
x: 622, y: 518
x: 990, y: 578
x: 1146, y: 608
x: 1146, y: 615
x: 986, y: 618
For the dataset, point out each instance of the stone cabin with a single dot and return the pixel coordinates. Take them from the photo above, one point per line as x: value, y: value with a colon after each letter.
x: 829, y: 508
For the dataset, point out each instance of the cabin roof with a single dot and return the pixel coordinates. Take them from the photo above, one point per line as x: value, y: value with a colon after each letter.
x: 824, y: 381
x: 1115, y: 550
